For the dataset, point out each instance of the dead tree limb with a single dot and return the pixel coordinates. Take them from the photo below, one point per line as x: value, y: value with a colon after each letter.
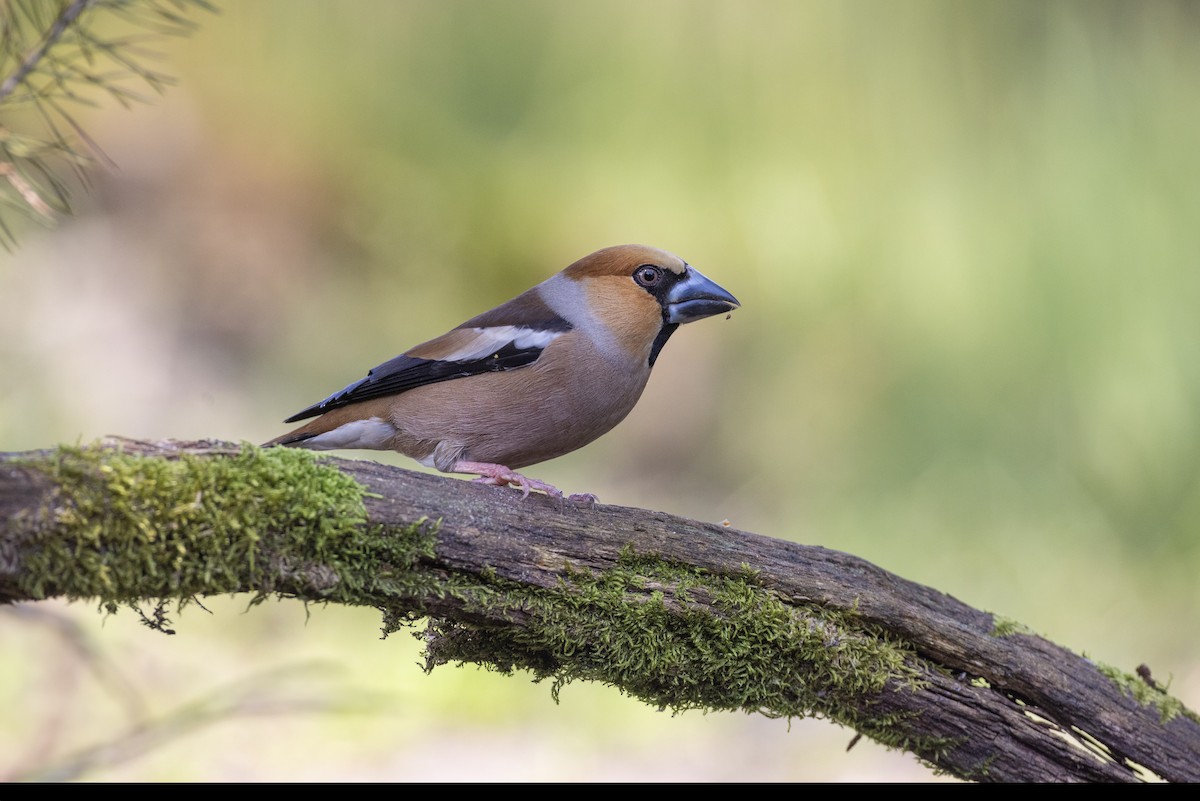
x: 681, y: 614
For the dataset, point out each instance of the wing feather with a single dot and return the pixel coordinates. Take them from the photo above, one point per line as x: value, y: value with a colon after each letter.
x: 405, y: 372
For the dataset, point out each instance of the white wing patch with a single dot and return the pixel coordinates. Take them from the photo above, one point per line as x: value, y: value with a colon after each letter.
x: 486, y: 341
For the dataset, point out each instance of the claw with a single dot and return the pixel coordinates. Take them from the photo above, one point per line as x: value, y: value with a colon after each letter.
x: 498, y: 475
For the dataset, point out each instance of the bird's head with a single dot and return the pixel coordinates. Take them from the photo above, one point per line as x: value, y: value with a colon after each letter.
x: 681, y: 292
x: 639, y: 290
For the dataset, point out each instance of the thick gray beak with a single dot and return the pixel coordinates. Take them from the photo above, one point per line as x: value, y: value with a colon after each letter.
x: 695, y: 297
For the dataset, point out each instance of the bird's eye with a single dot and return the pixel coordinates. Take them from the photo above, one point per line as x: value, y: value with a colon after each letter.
x: 648, y: 275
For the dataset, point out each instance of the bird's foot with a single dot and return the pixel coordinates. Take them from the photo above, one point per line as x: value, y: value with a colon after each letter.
x: 499, y: 476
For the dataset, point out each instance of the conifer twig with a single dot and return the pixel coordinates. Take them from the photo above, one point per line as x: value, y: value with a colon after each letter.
x: 29, y: 63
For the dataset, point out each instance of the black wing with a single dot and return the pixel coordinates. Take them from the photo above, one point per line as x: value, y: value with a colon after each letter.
x: 406, y: 372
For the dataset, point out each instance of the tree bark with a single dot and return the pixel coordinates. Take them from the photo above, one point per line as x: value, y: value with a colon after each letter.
x: 498, y: 575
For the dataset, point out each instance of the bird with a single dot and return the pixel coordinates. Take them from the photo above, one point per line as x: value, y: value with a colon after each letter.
x: 537, y: 377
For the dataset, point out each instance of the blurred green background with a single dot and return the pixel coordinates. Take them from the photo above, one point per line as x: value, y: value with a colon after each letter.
x: 966, y: 237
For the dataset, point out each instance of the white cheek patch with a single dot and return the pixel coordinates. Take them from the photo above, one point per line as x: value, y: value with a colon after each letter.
x: 487, y: 341
x: 373, y: 434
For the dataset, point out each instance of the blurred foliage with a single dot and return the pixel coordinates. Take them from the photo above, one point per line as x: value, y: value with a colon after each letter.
x: 964, y: 236
x: 55, y: 56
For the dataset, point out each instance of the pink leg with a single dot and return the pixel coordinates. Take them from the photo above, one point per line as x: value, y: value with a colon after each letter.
x: 499, y: 475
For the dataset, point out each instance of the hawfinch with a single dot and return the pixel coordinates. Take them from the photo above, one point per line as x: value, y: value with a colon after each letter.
x: 537, y: 377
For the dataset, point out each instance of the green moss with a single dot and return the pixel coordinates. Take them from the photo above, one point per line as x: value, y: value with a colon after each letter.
x: 1146, y: 694
x: 1003, y: 627
x: 123, y: 528
x: 129, y: 528
x: 647, y: 627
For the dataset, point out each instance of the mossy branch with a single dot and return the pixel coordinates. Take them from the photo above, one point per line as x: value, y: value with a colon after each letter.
x: 681, y: 614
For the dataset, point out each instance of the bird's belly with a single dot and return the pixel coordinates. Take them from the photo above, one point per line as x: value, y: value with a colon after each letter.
x: 518, y: 418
